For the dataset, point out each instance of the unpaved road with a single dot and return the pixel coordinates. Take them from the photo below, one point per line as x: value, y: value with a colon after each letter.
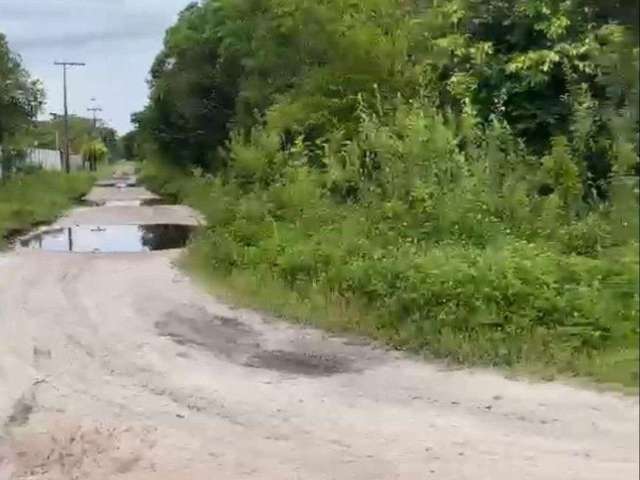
x: 116, y: 366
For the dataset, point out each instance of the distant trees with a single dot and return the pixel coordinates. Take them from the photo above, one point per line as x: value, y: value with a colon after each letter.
x: 49, y: 133
x: 129, y: 145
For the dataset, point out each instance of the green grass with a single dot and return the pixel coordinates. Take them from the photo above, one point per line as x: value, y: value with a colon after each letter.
x: 600, y: 346
x: 523, y: 305
x: 28, y: 200
x: 615, y: 370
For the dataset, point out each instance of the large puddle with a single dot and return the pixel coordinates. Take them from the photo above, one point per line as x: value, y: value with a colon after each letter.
x: 146, y: 202
x: 110, y: 238
x: 117, y: 182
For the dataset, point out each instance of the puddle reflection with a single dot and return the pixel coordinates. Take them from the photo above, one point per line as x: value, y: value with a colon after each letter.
x: 111, y: 238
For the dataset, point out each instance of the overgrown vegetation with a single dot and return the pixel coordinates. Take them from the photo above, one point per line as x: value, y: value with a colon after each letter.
x: 94, y: 152
x: 453, y: 177
x: 38, y: 198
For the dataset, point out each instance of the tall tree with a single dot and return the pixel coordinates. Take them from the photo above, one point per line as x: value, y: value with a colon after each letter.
x: 21, y: 98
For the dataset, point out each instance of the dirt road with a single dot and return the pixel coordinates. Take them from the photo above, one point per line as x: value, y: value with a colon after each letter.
x: 116, y: 366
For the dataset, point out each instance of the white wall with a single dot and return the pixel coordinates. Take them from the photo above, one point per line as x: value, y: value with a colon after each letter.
x: 47, y: 159
x: 50, y: 160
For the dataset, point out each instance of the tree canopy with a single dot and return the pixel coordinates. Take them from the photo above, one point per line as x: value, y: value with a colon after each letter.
x: 21, y: 97
x: 547, y: 68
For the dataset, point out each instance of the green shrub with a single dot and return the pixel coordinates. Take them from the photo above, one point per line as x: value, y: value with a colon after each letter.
x: 37, y: 198
x: 501, y: 301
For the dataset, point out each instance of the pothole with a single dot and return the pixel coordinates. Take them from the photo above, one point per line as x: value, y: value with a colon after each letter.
x: 239, y: 343
x: 300, y: 363
x: 110, y: 238
x: 223, y: 336
x: 22, y: 410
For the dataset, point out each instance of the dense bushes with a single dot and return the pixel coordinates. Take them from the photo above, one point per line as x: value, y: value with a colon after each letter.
x: 438, y: 255
x: 440, y: 175
x: 36, y: 198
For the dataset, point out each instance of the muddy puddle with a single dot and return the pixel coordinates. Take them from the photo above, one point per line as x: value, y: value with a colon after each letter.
x: 110, y: 238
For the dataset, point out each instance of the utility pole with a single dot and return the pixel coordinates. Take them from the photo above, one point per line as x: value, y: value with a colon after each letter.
x: 94, y: 110
x: 67, y: 153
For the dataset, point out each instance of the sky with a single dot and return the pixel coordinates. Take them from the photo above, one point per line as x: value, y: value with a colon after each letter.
x: 117, y: 39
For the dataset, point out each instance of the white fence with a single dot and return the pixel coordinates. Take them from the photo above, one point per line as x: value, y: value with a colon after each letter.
x: 52, y: 159
x: 49, y: 160
x: 45, y: 159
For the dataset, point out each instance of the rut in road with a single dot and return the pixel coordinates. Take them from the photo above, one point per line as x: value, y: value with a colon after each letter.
x: 115, y: 365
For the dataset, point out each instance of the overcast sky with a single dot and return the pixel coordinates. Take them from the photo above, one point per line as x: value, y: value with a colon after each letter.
x: 118, y: 40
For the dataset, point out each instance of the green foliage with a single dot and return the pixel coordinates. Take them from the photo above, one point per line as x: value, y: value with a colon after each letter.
x: 93, y: 153
x: 447, y: 172
x: 548, y: 68
x: 447, y: 252
x: 37, y: 198
x: 129, y: 146
x: 21, y: 98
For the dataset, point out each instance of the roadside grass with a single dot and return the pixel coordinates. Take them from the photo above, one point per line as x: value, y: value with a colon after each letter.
x: 33, y: 199
x: 527, y: 307
x: 543, y: 354
x: 612, y: 371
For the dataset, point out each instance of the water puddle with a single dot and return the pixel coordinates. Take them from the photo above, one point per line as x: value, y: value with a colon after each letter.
x: 122, y: 203
x: 117, y: 182
x: 110, y: 238
x: 147, y: 202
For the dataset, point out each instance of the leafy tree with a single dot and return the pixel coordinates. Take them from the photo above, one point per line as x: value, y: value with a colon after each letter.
x: 129, y: 145
x: 94, y: 152
x: 191, y: 99
x: 21, y: 98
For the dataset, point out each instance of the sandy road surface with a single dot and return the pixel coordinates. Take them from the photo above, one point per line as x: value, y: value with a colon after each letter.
x: 115, y: 366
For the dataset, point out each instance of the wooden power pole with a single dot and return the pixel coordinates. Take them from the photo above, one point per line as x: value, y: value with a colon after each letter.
x: 94, y: 111
x: 67, y: 152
